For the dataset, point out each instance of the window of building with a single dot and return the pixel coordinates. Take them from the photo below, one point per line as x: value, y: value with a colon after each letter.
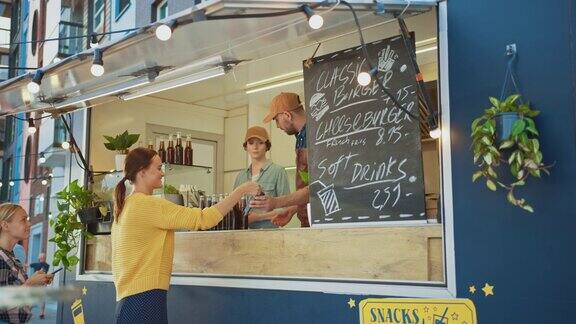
x: 98, y: 13
x: 5, y: 9
x: 27, y: 159
x: 37, y: 205
x: 121, y: 7
x: 34, y: 45
x: 159, y: 10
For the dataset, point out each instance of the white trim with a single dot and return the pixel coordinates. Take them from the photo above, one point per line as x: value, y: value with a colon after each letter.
x: 363, y: 287
x: 446, y: 156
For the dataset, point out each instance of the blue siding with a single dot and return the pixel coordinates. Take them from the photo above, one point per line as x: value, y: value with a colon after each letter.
x: 529, y: 258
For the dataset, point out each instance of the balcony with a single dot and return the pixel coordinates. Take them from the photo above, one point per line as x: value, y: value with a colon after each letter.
x: 68, y: 47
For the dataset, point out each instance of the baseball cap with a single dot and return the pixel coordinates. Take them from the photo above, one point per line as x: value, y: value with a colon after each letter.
x: 285, y: 101
x: 258, y: 132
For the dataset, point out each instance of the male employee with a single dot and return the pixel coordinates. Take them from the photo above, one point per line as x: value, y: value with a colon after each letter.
x: 288, y: 113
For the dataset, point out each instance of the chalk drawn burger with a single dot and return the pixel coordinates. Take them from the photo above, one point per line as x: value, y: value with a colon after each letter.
x: 318, y: 106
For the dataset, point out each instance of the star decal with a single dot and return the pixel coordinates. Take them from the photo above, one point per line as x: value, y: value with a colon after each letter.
x: 426, y: 309
x: 472, y: 289
x: 84, y: 290
x: 488, y: 290
x: 351, y: 303
x: 455, y: 316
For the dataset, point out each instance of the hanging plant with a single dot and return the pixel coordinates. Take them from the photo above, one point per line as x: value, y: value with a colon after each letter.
x: 506, y: 134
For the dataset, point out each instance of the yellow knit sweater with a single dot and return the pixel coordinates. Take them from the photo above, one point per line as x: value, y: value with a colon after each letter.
x: 143, y: 241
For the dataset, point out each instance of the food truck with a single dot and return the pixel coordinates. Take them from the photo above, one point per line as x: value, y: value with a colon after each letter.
x: 399, y: 232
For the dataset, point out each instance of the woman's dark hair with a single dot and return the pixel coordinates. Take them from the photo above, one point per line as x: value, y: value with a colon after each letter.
x: 268, y: 145
x: 138, y: 159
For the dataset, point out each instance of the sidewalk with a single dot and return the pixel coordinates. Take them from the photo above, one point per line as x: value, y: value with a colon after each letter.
x: 49, y: 312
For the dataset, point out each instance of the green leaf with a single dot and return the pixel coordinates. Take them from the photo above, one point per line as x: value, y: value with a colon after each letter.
x: 110, y: 146
x: 494, y: 102
x: 533, y: 130
x: 492, y: 173
x: 476, y: 175
x: 518, y: 127
x: 486, y: 140
x: 488, y: 158
x: 506, y: 144
x: 535, y: 144
x: 491, y: 185
x: 511, y: 99
x: 511, y: 198
x: 527, y: 208
x: 73, y: 260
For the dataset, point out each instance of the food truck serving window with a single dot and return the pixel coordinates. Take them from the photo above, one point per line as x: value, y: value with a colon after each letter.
x: 377, y: 179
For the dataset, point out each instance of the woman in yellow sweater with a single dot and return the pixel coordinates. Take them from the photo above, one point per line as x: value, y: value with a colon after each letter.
x: 143, y: 237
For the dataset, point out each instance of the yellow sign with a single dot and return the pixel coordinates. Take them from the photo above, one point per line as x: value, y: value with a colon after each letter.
x: 77, y: 311
x: 417, y: 311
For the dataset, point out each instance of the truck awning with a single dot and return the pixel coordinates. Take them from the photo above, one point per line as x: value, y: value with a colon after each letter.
x: 202, y: 45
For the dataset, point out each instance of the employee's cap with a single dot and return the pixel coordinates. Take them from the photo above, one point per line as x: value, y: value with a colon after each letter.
x: 258, y: 132
x: 285, y: 101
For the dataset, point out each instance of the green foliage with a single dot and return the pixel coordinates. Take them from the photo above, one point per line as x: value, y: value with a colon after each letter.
x: 304, y: 176
x: 525, y: 157
x: 121, y: 142
x: 67, y: 228
x: 170, y: 189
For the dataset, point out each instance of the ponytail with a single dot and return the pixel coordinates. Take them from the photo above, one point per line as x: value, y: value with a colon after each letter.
x: 119, y: 197
x: 138, y: 159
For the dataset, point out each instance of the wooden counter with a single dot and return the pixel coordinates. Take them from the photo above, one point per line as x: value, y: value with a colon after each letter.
x: 381, y: 253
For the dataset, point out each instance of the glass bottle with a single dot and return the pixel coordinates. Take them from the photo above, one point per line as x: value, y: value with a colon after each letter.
x: 188, y: 151
x: 179, y: 150
x: 162, y: 151
x: 170, y: 151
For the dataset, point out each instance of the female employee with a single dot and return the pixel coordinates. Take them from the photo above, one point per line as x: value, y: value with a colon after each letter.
x: 271, y: 177
x: 14, y: 226
x: 143, y: 237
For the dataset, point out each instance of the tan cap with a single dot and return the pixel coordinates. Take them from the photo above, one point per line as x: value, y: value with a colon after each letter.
x: 285, y: 101
x: 258, y: 132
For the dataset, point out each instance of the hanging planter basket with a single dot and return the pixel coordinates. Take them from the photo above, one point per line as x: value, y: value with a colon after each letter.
x: 504, y: 123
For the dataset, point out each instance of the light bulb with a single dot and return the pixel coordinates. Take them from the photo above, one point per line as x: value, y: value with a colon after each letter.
x: 11, y: 183
x: 42, y: 158
x: 44, y: 182
x: 316, y: 22
x: 50, y: 215
x: 435, y: 133
x: 163, y: 32
x: 41, y: 198
x: 97, y: 70
x: 65, y: 145
x: 0, y: 184
x: 31, y: 127
x: 364, y: 78
x: 33, y: 87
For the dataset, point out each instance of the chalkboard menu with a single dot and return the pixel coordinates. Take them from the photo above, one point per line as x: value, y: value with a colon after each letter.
x: 364, y: 154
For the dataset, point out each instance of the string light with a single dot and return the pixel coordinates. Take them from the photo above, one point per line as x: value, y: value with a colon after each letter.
x: 34, y: 85
x: 44, y: 182
x: 93, y: 40
x: 364, y: 78
x: 315, y: 21
x: 42, y: 158
x: 97, y: 68
x: 31, y: 128
x: 65, y: 145
x: 435, y: 131
x: 164, y: 31
x: 0, y: 184
x: 11, y: 183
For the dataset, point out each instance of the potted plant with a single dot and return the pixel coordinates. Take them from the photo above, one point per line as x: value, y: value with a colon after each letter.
x: 77, y: 206
x: 172, y: 194
x: 121, y: 143
x: 495, y: 143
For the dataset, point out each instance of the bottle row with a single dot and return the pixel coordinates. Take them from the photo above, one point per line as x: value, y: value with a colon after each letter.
x: 174, y: 153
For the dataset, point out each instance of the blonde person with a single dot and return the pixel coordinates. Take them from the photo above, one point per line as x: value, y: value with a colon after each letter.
x: 14, y: 226
x: 271, y: 177
x: 143, y: 237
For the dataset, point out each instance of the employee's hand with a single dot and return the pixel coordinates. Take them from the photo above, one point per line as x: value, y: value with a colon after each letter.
x: 266, y: 202
x: 50, y: 277
x: 39, y: 278
x: 283, y: 218
x: 250, y: 188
